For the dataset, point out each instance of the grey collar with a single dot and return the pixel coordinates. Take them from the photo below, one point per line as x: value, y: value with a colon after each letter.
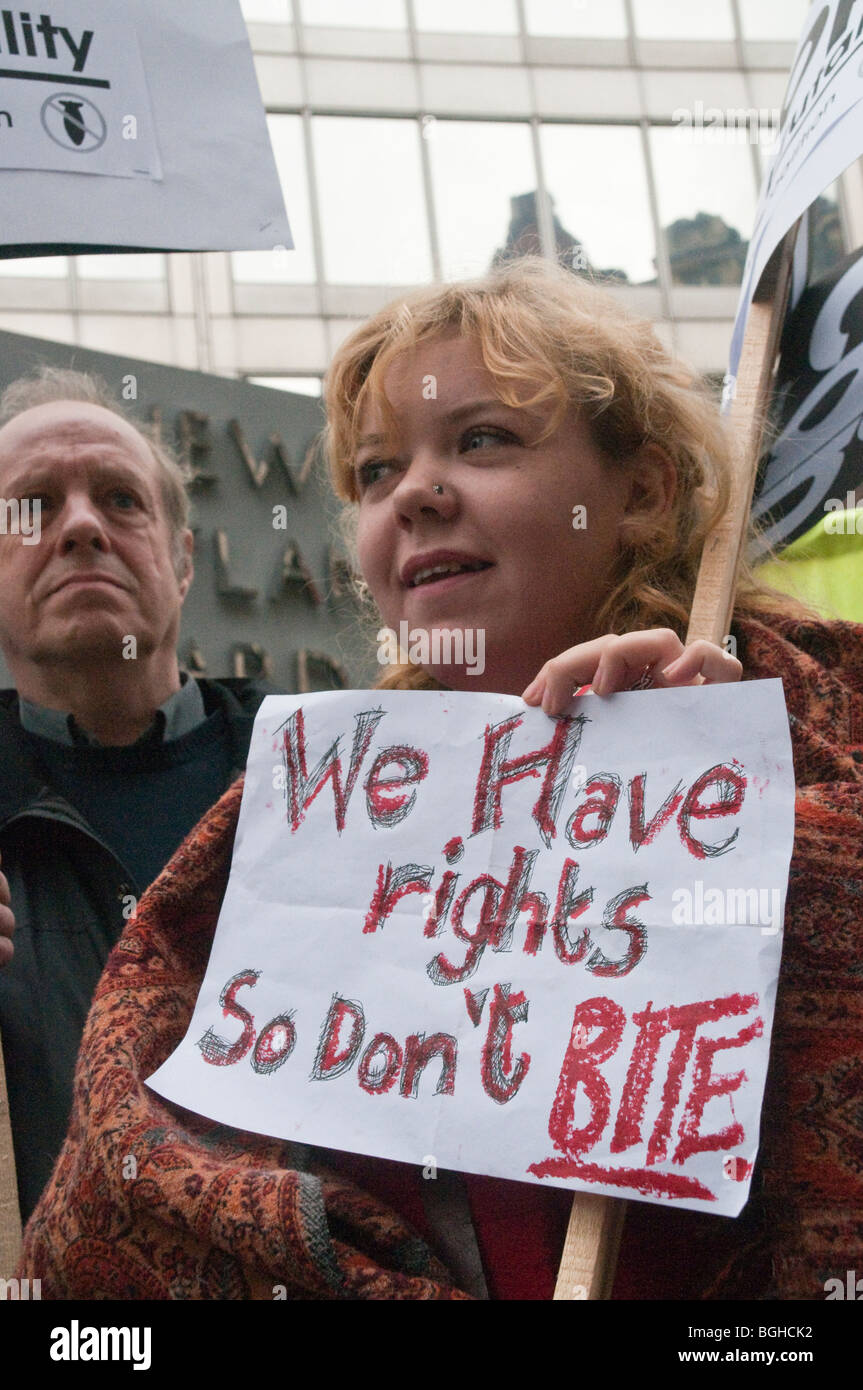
x: 180, y: 714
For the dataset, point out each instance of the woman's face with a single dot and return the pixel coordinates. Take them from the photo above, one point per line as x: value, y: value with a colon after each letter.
x: 500, y: 555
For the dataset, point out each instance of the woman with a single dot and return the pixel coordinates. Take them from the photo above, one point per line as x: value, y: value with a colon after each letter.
x: 526, y: 462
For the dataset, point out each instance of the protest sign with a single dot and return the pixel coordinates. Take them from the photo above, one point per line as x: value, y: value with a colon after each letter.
x: 67, y: 89
x: 136, y: 126
x: 815, y: 459
x: 820, y: 134
x: 460, y: 934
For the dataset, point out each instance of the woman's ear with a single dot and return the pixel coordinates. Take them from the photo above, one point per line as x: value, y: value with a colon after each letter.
x: 652, y: 487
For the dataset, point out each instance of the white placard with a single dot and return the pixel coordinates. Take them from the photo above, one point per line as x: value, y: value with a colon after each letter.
x: 139, y: 126
x: 820, y: 135
x: 73, y: 95
x: 458, y: 931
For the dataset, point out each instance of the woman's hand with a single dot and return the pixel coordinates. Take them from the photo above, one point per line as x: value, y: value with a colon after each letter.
x: 7, y: 922
x: 614, y: 663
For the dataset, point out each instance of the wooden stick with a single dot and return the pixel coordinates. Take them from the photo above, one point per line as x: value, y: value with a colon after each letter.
x: 590, y: 1250
x: 596, y: 1223
x: 713, y: 602
x: 10, y: 1218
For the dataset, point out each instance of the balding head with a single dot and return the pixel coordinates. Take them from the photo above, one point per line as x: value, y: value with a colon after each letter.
x: 106, y: 566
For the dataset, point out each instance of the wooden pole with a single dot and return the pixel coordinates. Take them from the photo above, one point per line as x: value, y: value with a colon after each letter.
x: 596, y: 1223
x: 10, y: 1215
x: 10, y: 1218
x: 590, y: 1250
x: 713, y: 601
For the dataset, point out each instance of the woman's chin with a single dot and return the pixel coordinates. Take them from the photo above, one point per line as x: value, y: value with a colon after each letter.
x: 497, y: 677
x: 458, y: 656
x: 459, y: 677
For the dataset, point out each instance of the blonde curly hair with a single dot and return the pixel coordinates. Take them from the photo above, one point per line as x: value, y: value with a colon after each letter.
x: 571, y: 344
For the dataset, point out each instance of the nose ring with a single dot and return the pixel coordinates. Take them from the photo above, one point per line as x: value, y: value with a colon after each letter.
x: 436, y: 488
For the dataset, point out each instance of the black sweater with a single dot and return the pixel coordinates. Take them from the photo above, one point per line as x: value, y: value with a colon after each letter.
x: 82, y: 833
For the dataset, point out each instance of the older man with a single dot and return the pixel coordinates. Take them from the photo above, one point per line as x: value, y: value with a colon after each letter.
x: 109, y: 755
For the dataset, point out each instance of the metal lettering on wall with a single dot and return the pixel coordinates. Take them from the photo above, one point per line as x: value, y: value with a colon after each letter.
x: 272, y: 594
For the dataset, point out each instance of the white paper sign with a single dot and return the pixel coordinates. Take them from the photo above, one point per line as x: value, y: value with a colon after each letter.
x: 458, y: 931
x: 820, y: 135
x: 73, y: 92
x: 157, y: 98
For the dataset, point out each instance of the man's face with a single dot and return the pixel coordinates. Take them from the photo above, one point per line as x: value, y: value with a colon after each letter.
x: 102, y: 570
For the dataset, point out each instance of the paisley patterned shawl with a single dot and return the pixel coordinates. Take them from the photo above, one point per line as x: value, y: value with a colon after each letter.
x: 150, y: 1201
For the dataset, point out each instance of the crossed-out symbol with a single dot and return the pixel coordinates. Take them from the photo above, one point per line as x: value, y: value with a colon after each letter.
x: 73, y: 122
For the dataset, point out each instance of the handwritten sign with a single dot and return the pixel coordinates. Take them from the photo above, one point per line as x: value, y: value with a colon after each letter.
x: 458, y: 931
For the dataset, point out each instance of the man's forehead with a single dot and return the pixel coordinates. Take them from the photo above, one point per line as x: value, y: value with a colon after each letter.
x: 45, y: 431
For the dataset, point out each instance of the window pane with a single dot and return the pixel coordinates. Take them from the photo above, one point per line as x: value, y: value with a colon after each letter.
x: 300, y: 385
x: 598, y: 182
x: 134, y: 267
x: 773, y: 19
x: 267, y: 11
x: 467, y: 16
x: 683, y: 19
x: 372, y: 202
x: 48, y: 267
x: 605, y: 19
x: 706, y: 196
x: 484, y: 180
x: 280, y: 266
x: 354, y: 14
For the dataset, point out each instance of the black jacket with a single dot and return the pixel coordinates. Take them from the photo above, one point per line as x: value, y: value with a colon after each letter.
x: 70, y: 896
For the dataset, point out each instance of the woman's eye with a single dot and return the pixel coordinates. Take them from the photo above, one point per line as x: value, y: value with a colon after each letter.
x: 371, y: 472
x: 478, y: 437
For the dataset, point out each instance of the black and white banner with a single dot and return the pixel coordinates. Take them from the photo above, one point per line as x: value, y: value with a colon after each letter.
x: 816, y: 456
x: 820, y: 134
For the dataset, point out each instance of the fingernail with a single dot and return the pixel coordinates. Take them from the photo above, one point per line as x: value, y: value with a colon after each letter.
x: 669, y: 670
